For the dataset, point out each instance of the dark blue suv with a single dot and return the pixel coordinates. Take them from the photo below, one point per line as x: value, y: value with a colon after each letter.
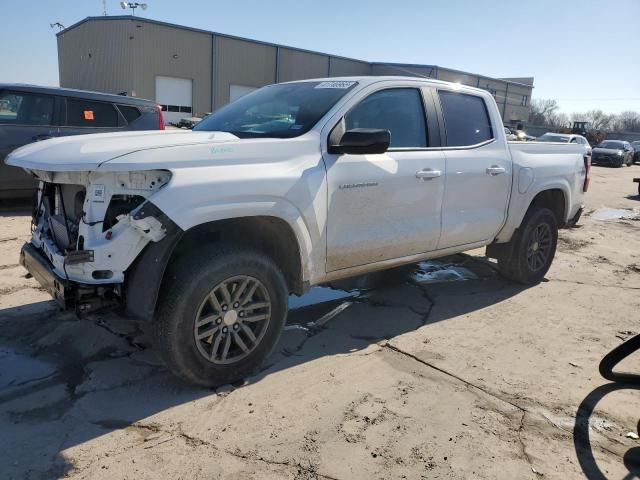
x: 30, y: 113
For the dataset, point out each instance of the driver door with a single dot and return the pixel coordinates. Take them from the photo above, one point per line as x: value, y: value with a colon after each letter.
x: 386, y: 206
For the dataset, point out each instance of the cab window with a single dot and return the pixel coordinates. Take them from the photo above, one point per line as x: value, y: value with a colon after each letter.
x: 466, y: 119
x: 399, y: 110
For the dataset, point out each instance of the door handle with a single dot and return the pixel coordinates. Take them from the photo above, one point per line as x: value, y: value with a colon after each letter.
x: 495, y: 170
x: 428, y: 174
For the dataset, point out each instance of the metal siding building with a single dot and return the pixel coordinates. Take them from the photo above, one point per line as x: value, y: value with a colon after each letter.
x: 240, y: 62
x: 148, y: 58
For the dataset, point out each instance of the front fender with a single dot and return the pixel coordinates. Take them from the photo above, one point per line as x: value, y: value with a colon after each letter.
x: 199, y: 214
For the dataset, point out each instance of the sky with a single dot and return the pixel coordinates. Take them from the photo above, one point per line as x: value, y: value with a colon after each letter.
x: 583, y: 53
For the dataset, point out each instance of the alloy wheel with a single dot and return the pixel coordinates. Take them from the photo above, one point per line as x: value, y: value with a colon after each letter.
x: 232, y: 319
x: 539, y: 247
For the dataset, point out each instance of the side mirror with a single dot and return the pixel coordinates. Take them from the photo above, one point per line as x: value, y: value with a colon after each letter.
x: 361, y: 141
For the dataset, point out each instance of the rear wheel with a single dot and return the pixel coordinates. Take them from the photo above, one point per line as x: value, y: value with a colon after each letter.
x: 532, y: 248
x: 221, y: 315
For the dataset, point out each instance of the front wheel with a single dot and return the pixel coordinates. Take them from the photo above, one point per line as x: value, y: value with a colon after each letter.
x: 221, y: 315
x: 532, y: 248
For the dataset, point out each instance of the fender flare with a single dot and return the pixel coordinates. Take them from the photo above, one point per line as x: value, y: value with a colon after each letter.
x: 515, y: 216
x: 143, y: 278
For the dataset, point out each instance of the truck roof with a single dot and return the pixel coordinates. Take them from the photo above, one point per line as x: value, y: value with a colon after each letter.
x: 72, y: 92
x: 370, y: 79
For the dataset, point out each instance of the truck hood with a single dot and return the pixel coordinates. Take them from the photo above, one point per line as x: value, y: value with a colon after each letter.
x: 93, y: 152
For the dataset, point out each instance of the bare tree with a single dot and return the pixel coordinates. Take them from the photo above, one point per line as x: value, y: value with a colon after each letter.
x: 559, y: 120
x: 545, y: 112
x: 628, y: 121
x: 597, y: 118
x: 542, y: 110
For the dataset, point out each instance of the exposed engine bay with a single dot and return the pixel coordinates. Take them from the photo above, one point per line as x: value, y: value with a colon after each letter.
x: 91, y: 226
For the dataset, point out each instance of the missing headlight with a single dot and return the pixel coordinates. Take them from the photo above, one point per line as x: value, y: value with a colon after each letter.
x: 120, y: 205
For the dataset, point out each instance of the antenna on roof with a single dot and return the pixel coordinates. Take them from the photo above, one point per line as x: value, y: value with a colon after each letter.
x: 133, y: 6
x: 104, y: 7
x: 57, y: 24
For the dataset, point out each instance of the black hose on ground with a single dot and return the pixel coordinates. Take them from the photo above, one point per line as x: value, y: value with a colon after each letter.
x: 615, y: 356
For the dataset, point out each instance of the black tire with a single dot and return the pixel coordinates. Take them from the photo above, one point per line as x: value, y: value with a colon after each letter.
x: 517, y: 265
x: 188, y: 289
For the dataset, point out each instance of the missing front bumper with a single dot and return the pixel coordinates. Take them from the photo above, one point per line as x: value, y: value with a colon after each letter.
x: 42, y: 270
x: 69, y: 295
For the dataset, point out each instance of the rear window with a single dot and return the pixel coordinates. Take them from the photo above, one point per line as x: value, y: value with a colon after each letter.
x: 26, y: 109
x: 466, y: 119
x: 85, y: 113
x: 129, y: 112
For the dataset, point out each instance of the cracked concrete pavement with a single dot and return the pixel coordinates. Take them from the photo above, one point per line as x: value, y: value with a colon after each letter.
x: 444, y: 373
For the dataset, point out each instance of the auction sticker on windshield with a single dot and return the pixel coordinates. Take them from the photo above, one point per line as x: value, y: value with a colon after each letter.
x: 340, y: 85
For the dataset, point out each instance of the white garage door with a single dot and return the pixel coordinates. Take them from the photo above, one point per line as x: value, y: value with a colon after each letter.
x: 237, y: 91
x: 174, y: 94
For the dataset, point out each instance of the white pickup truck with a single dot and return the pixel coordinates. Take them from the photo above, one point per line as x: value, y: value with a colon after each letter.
x: 207, y: 232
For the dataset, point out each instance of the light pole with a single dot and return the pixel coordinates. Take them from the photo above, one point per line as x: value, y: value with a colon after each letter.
x: 133, y: 6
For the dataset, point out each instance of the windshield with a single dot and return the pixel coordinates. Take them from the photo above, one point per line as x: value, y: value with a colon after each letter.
x: 611, y: 144
x: 277, y: 111
x: 553, y: 138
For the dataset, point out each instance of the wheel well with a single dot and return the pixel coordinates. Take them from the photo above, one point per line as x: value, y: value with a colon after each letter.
x: 553, y: 200
x: 269, y: 235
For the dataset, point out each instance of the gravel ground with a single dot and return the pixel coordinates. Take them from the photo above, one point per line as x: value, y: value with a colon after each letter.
x: 451, y: 373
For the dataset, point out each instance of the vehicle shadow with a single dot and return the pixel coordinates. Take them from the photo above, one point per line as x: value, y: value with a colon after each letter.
x: 581, y: 431
x: 13, y: 208
x: 65, y: 382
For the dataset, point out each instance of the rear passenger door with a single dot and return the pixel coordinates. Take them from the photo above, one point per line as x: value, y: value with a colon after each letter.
x: 478, y: 171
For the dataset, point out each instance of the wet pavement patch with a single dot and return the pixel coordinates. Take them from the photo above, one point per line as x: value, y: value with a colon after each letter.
x: 439, y: 271
x: 17, y: 369
x: 616, y: 214
x: 318, y: 295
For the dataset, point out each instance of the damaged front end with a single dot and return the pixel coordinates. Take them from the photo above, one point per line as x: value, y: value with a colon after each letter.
x: 88, y: 228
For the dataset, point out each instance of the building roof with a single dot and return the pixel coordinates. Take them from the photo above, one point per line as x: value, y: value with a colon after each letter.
x: 399, y: 66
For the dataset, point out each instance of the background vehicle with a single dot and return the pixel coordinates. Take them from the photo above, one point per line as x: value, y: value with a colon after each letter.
x: 636, y: 151
x: 188, y: 123
x: 207, y: 232
x: 511, y: 137
x: 29, y: 114
x: 613, y: 152
x: 585, y: 130
x: 523, y: 136
x: 565, y: 138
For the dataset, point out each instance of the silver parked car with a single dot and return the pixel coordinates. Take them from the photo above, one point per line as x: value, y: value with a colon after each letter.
x: 565, y: 138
